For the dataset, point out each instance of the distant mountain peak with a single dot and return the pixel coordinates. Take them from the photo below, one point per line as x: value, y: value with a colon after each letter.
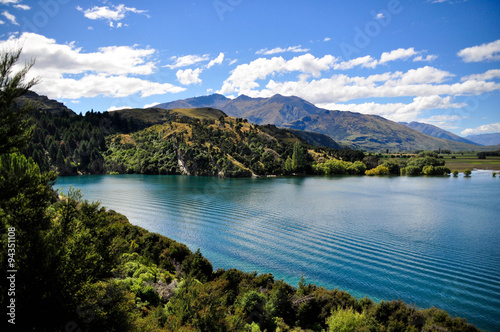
x: 437, y: 132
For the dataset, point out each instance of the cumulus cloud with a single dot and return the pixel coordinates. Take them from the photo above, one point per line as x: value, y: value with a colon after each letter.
x: 217, y: 61
x: 486, y: 129
x: 484, y: 52
x: 243, y: 78
x: 113, y: 13
x: 399, y: 54
x: 189, y: 76
x: 397, y: 111
x: 7, y: 2
x: 489, y: 75
x: 293, y: 49
x: 68, y: 72
x: 187, y: 60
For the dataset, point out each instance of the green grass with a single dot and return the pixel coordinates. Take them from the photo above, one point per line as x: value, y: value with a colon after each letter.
x: 462, y: 162
x: 466, y: 161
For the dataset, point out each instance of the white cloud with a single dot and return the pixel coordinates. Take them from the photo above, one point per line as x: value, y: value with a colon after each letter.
x: 366, y: 61
x: 397, y: 111
x: 115, y: 108
x: 11, y: 18
x: 428, y: 58
x: 187, y: 60
x: 484, y: 52
x: 2, y: 22
x: 113, y: 13
x: 444, y: 121
x: 151, y: 105
x: 189, y: 76
x: 486, y: 129
x: 217, y: 61
x: 327, y: 39
x: 67, y: 72
x: 399, y: 54
x: 379, y: 16
x: 243, y: 78
x: 293, y: 49
x: 369, y: 62
x: 6, y: 2
x: 22, y: 7
x: 489, y: 75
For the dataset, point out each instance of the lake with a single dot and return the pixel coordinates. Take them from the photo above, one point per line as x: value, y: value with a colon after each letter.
x: 430, y: 241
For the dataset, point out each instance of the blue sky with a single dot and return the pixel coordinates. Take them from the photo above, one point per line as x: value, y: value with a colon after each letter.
x: 433, y: 61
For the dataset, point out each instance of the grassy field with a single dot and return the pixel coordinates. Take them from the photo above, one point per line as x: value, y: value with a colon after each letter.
x: 466, y: 161
x: 462, y: 162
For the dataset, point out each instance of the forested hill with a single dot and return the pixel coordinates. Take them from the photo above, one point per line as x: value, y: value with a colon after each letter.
x: 202, y: 141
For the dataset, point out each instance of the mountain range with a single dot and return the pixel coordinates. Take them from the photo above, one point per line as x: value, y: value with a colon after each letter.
x: 485, y: 139
x: 355, y: 130
x: 437, y: 132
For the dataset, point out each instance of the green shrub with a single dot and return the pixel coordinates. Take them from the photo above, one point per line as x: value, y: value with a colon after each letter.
x: 379, y: 170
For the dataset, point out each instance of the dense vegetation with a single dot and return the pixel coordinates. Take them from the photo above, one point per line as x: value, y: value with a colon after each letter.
x: 80, y: 267
x: 193, y: 142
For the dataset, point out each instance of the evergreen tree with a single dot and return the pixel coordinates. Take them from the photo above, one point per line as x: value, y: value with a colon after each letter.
x: 14, y: 126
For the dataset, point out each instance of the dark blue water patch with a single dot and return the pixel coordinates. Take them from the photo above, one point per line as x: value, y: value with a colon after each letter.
x: 428, y: 241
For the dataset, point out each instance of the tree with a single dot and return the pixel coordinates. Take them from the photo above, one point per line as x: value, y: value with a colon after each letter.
x: 14, y: 126
x: 467, y: 172
x: 298, y: 158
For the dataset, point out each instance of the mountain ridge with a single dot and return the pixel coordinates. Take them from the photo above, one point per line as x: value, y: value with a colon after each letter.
x: 355, y: 130
x: 437, y: 132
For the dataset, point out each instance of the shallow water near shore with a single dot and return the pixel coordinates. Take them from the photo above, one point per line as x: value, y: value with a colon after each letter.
x: 430, y: 241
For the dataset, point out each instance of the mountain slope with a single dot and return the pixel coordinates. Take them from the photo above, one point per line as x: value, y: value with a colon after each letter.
x: 437, y: 132
x: 485, y: 139
x: 356, y: 130
x: 206, y: 142
x: 43, y: 103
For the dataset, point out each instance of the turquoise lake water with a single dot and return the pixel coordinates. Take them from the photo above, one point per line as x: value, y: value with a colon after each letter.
x: 430, y: 241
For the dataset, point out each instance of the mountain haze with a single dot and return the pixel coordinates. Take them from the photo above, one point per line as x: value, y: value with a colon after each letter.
x: 352, y: 129
x: 486, y: 139
x: 437, y: 132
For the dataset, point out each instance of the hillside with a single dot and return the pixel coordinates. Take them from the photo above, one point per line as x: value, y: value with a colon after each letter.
x: 43, y: 103
x: 205, y: 142
x: 368, y: 132
x: 200, y: 141
x: 437, y: 132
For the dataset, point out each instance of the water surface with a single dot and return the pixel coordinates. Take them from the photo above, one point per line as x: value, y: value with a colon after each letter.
x: 430, y: 241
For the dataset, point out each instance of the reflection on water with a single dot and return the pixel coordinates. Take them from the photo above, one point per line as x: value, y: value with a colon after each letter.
x: 428, y: 241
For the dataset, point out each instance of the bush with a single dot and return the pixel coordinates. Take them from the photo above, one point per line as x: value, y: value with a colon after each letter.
x: 467, y: 172
x: 411, y: 171
x: 379, y: 170
x: 347, y: 320
x: 436, y: 170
